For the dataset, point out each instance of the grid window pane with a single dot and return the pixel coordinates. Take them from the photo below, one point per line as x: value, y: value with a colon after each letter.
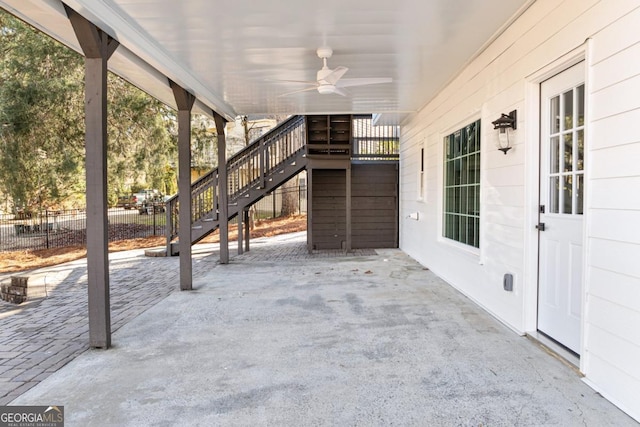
x: 567, y: 100
x: 555, y: 114
x: 554, y: 194
x: 555, y: 154
x: 567, y: 194
x: 580, y: 153
x: 462, y: 185
x: 568, y: 152
x: 580, y: 105
x: 580, y: 195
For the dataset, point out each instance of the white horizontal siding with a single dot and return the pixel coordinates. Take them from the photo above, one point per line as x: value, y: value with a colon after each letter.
x: 616, y: 225
x: 616, y: 162
x: 607, y: 351
x: 612, y: 319
x: 496, y: 82
x: 615, y: 130
x: 601, y: 101
x: 615, y: 193
x: 615, y: 287
x: 615, y: 256
x: 609, y: 380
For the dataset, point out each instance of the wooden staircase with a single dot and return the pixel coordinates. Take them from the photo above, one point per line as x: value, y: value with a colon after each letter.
x: 252, y: 173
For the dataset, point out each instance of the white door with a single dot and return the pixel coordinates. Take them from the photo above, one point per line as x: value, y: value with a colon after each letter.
x: 561, y: 207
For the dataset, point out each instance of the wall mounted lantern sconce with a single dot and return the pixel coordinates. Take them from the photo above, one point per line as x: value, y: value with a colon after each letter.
x: 505, y: 125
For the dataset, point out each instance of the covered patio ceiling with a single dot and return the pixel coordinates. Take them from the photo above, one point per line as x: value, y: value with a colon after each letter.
x: 234, y: 56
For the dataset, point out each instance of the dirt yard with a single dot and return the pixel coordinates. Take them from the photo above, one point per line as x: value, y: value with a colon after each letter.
x: 28, y: 260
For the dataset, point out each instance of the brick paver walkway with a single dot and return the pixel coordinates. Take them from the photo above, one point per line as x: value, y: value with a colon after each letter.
x: 39, y: 337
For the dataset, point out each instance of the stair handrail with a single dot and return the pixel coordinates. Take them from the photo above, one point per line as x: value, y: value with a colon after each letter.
x: 267, y: 152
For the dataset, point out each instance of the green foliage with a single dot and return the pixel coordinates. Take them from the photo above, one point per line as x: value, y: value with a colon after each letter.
x: 42, y: 127
x: 40, y: 158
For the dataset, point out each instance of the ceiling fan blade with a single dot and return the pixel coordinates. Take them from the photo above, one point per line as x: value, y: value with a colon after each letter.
x: 340, y: 91
x: 297, y: 91
x: 363, y: 81
x: 335, y: 75
x: 306, y: 82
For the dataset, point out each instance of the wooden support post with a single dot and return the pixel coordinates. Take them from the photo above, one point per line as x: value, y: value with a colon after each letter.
x: 263, y: 164
x: 240, y: 228
x: 184, y: 102
x: 97, y: 47
x: 348, y: 206
x: 247, y: 228
x: 223, y: 200
x: 310, y: 209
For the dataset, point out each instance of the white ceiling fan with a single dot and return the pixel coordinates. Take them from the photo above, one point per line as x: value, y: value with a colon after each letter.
x: 330, y: 81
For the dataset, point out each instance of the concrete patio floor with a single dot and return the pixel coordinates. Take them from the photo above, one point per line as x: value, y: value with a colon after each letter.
x: 282, y: 337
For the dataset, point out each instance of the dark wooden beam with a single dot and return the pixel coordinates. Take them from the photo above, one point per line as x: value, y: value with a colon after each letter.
x: 184, y: 102
x: 98, y: 48
x: 241, y: 219
x: 348, y: 209
x: 223, y: 200
x: 247, y: 228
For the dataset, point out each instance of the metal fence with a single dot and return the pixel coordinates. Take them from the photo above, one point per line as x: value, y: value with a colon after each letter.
x: 282, y: 199
x: 63, y: 228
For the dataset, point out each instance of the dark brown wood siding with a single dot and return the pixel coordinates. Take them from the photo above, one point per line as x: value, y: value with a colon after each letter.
x: 374, y: 207
x: 374, y: 201
x: 328, y: 208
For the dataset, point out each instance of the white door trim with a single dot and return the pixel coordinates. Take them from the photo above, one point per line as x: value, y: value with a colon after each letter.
x: 532, y: 167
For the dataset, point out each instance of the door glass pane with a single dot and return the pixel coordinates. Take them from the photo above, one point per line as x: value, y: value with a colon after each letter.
x: 554, y: 191
x: 554, y: 114
x: 567, y: 194
x: 580, y: 106
x: 567, y: 99
x: 568, y: 152
x: 555, y: 154
x: 580, y: 194
x: 580, y: 153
